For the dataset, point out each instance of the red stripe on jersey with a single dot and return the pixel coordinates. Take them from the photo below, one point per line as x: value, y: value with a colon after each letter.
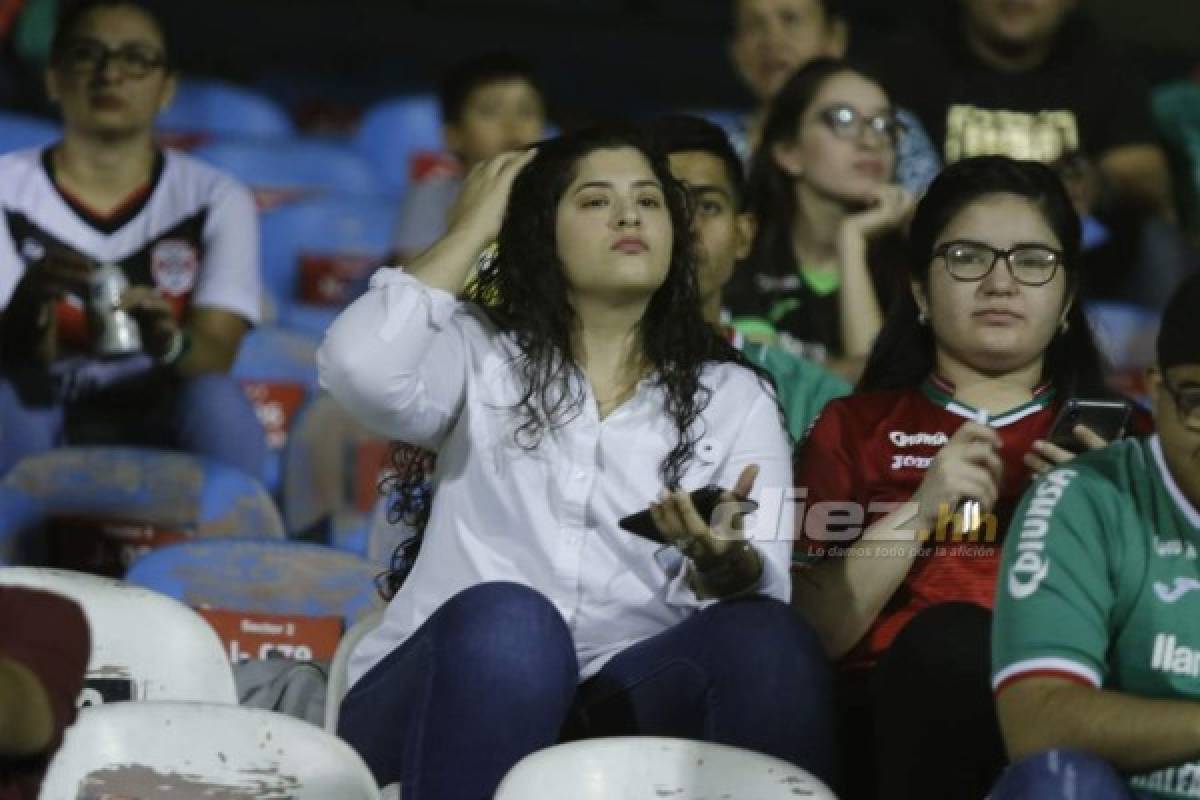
x: 1043, y: 672
x: 135, y: 197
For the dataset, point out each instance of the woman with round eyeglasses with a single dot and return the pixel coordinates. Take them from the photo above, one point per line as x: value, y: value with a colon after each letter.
x: 106, y: 218
x: 822, y: 269
x: 959, y: 393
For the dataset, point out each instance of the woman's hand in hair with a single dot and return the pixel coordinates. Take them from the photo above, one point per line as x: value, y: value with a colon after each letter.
x: 967, y: 466
x: 473, y: 224
x: 888, y: 208
x: 479, y: 208
x: 1045, y: 456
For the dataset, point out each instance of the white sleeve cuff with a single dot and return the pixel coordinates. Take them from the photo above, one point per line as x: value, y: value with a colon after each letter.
x: 438, y: 305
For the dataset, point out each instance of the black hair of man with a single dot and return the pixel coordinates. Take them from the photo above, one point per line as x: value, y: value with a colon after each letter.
x: 463, y: 78
x: 1179, y: 335
x: 685, y: 133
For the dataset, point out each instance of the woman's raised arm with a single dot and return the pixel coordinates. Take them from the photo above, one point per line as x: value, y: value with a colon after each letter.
x: 396, y: 358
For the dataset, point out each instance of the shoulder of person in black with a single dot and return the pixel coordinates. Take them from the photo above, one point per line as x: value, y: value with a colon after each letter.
x: 928, y: 66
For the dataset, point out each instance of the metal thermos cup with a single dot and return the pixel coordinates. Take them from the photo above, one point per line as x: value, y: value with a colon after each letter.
x: 116, y: 332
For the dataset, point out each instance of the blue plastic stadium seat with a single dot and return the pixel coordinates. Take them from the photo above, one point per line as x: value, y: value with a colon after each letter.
x: 1125, y: 333
x: 383, y: 535
x: 290, y: 170
x: 262, y: 576
x: 176, y: 490
x: 215, y: 108
x: 331, y: 470
x: 21, y: 518
x: 271, y: 353
x: 18, y: 132
x: 307, y: 319
x: 393, y: 130
x: 355, y: 230
x: 278, y: 370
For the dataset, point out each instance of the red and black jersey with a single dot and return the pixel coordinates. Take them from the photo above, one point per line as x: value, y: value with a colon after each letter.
x: 872, y: 449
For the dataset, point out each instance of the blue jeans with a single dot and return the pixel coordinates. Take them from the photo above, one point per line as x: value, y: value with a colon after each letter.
x: 492, y: 677
x: 208, y: 415
x: 1063, y: 775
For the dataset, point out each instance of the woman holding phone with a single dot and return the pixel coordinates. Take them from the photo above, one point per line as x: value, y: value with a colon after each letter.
x: 574, y: 384
x: 958, y: 396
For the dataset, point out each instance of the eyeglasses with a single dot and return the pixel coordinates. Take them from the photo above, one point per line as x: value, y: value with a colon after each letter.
x: 847, y: 123
x: 90, y: 57
x: 1029, y: 264
x: 1187, y: 401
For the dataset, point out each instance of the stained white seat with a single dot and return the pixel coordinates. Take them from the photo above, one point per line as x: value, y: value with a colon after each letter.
x: 650, y: 768
x: 158, y: 751
x: 145, y: 645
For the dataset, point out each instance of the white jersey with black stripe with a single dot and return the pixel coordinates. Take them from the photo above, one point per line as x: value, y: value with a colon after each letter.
x: 193, y: 234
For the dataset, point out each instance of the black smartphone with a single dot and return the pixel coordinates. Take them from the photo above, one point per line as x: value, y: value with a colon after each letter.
x: 1107, y: 418
x: 704, y: 499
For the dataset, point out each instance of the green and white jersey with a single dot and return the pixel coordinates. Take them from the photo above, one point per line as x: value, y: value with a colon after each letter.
x: 1100, y: 583
x: 804, y: 386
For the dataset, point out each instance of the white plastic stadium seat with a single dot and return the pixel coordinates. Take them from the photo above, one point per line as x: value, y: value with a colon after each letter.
x: 172, y: 751
x: 336, y: 688
x: 145, y: 645
x: 650, y: 768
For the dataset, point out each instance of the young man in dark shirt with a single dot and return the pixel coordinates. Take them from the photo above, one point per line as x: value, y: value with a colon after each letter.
x: 1031, y: 80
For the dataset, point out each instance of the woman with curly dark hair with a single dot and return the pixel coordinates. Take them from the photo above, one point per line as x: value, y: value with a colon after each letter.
x: 574, y: 380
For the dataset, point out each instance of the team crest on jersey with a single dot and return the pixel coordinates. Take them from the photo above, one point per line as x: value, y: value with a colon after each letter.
x: 174, y: 264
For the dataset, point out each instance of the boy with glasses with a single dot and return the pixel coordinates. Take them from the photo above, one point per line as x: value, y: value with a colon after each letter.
x: 1096, y: 645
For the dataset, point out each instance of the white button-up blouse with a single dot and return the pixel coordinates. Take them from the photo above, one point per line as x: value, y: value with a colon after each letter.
x: 416, y: 365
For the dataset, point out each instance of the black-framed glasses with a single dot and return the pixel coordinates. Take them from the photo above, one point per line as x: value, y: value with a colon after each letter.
x: 90, y: 57
x: 1187, y: 403
x: 1029, y: 264
x: 847, y: 122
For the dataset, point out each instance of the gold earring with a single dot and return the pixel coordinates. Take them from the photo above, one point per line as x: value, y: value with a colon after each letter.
x: 922, y: 319
x: 1064, y: 327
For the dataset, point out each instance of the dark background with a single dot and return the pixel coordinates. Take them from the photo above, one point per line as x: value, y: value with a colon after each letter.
x: 610, y: 55
x: 326, y: 60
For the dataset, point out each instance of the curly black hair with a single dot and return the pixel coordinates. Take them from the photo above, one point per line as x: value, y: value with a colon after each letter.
x: 524, y: 293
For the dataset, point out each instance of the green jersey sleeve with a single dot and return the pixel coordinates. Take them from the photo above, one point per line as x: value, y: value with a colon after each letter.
x: 804, y: 387
x: 1055, y: 594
